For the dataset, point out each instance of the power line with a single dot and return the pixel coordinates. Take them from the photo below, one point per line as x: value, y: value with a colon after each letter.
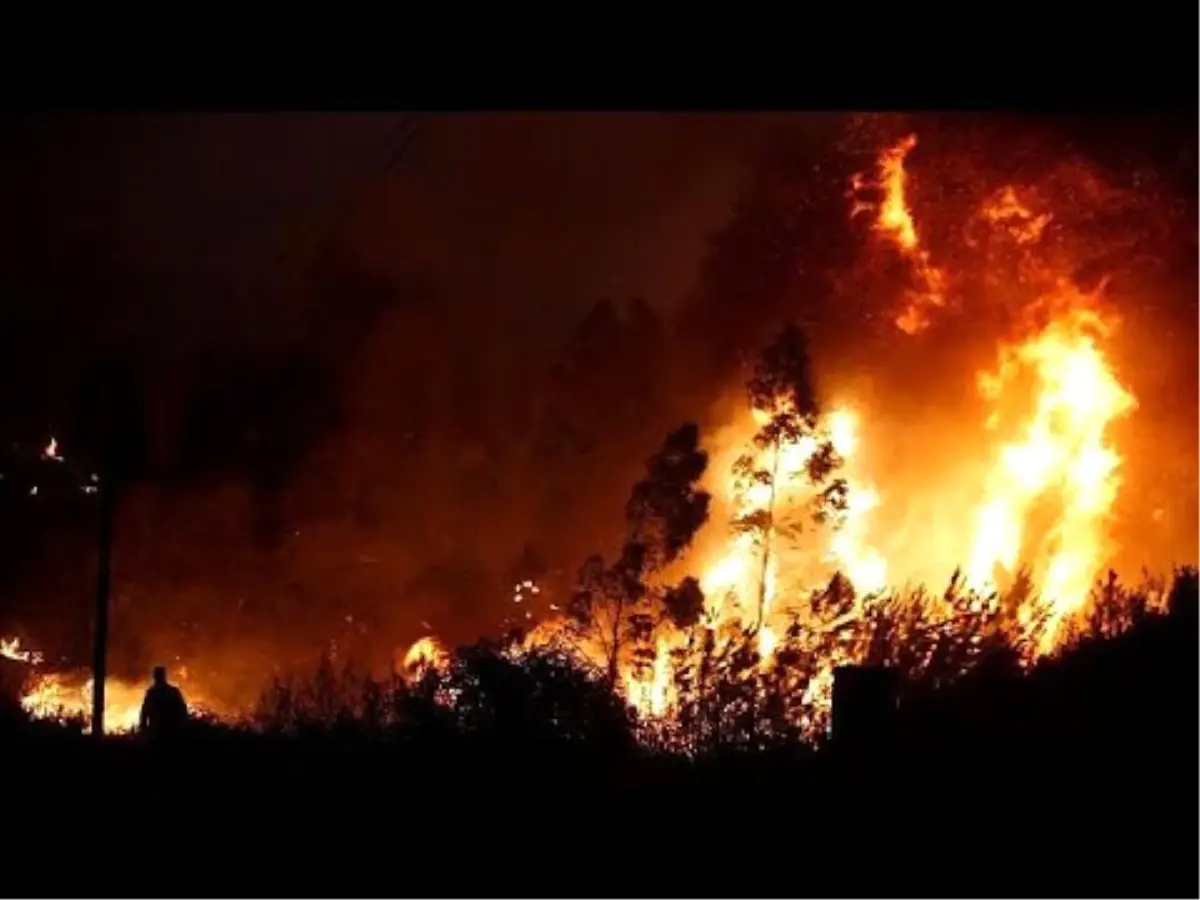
x: 398, y: 142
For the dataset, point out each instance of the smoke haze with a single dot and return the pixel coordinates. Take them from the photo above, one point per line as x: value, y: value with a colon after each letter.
x: 370, y: 439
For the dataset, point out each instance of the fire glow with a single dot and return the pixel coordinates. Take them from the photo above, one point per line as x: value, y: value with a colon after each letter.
x: 1056, y: 453
x: 1048, y: 401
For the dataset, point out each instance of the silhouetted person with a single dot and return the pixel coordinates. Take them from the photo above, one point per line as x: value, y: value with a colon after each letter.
x: 164, y: 710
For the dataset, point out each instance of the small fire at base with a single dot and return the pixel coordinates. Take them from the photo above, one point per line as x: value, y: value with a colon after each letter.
x: 793, y: 597
x: 67, y: 696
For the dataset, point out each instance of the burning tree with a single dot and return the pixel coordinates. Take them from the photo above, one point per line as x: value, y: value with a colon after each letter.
x: 783, y: 399
x: 1042, y: 492
x: 613, y: 605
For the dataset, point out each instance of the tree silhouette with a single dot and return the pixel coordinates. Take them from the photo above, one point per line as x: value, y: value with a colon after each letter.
x: 782, y: 395
x: 613, y: 604
x: 598, y: 406
x: 667, y: 508
x: 785, y: 241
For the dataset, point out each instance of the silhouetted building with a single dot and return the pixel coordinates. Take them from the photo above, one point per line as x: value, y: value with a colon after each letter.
x: 864, y: 703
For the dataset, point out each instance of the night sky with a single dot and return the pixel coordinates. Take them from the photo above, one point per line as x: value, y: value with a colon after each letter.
x: 157, y: 239
x: 533, y: 217
x: 344, y: 366
x: 501, y: 473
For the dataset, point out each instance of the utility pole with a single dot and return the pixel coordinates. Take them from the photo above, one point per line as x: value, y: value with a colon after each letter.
x: 113, y: 422
x: 107, y: 490
x: 399, y: 139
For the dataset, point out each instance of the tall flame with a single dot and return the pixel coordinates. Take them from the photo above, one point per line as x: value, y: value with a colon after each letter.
x: 1051, y: 475
x: 1057, y: 454
x: 1062, y: 452
x: 894, y: 221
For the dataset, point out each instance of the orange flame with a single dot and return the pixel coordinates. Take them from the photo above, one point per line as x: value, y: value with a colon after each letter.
x: 1061, y: 450
x: 1057, y: 453
x: 1050, y: 478
x: 424, y: 655
x: 68, y: 695
x: 894, y: 222
x: 10, y: 648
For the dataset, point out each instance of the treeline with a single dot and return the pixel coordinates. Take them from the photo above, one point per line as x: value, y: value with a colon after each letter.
x: 1118, y: 702
x: 571, y: 677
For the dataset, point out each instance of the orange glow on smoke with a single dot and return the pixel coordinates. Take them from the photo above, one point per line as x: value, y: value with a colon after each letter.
x: 1039, y: 497
x: 1047, y: 407
x: 894, y: 221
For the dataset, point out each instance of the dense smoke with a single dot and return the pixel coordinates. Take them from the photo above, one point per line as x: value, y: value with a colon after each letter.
x: 377, y: 433
x: 441, y: 401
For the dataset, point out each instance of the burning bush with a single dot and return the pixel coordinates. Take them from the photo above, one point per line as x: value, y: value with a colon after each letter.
x: 758, y: 557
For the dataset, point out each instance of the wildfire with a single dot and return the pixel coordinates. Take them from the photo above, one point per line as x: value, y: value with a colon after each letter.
x: 56, y: 696
x: 1049, y: 478
x: 1005, y: 210
x: 1053, y: 397
x: 424, y: 655
x: 10, y: 648
x: 1061, y: 452
x: 68, y: 695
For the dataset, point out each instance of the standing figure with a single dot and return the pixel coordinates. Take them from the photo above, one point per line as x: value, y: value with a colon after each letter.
x: 164, y: 710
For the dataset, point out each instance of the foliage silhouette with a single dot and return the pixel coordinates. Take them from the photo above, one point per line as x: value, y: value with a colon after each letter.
x: 1106, y: 724
x: 613, y: 605
x: 780, y: 390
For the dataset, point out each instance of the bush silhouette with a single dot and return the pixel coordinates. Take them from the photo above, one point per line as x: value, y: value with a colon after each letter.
x: 499, y: 715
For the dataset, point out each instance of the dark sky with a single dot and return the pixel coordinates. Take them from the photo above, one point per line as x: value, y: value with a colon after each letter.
x: 558, y: 210
x: 160, y: 231
x: 151, y: 228
x: 535, y: 215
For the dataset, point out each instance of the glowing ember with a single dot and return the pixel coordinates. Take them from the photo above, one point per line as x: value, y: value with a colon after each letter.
x: 1006, y: 211
x: 523, y: 593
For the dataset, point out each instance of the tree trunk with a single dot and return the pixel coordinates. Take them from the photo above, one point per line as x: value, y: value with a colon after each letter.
x: 614, y: 652
x: 768, y: 535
